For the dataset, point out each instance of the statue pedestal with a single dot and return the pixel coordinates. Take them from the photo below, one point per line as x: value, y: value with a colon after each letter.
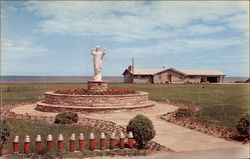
x: 97, y: 86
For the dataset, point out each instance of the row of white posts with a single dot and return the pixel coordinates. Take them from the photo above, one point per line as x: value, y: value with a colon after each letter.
x: 72, y: 144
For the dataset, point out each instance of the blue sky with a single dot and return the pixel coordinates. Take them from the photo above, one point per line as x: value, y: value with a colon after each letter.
x: 54, y: 38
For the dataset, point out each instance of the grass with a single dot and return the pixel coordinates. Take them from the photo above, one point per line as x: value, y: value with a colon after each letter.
x: 33, y: 128
x: 220, y: 104
x: 30, y: 92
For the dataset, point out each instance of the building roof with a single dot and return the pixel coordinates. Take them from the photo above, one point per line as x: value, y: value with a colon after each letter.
x: 201, y: 72
x: 153, y: 71
x: 148, y: 71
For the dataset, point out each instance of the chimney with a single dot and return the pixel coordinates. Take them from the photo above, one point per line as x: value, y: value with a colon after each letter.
x: 133, y: 66
x: 130, y: 68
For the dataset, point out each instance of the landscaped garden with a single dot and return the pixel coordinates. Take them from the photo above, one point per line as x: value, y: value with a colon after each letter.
x: 138, y: 142
x: 214, y: 103
x: 220, y: 104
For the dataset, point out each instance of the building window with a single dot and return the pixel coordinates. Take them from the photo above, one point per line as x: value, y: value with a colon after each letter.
x: 191, y: 76
x: 170, y: 72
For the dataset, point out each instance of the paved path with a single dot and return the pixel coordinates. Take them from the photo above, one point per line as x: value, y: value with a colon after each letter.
x: 175, y: 137
x: 229, y: 153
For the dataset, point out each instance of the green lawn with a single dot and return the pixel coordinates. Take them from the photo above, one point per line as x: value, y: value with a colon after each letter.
x: 220, y: 104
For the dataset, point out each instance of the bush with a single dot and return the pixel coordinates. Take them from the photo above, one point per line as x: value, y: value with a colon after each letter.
x: 243, y: 125
x: 239, y: 82
x: 66, y: 118
x: 5, y: 133
x: 184, y: 112
x: 248, y: 80
x: 142, y: 129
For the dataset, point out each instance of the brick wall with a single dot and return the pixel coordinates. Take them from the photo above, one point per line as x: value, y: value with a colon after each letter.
x: 142, y: 79
x: 194, y: 79
x: 163, y: 77
x: 128, y: 77
x: 96, y: 100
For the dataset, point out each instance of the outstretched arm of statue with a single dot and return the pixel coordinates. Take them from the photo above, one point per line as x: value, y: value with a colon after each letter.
x: 92, y: 51
x: 104, y: 51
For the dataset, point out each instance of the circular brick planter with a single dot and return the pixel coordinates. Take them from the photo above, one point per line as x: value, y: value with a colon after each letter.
x: 54, y: 102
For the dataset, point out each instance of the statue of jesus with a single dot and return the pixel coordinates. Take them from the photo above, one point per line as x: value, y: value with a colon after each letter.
x: 98, y: 61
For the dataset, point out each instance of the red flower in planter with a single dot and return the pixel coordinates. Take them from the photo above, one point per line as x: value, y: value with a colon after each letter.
x: 81, y: 91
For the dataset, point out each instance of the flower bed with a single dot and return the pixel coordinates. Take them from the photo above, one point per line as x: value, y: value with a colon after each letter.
x: 81, y: 91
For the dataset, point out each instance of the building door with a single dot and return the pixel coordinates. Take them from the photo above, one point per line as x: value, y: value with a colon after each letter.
x: 169, y: 77
x: 203, y: 79
x: 150, y: 79
x: 212, y: 79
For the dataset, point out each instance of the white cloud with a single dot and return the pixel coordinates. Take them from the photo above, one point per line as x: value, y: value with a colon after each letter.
x: 11, y: 8
x: 194, y: 45
x: 202, y: 30
x: 238, y: 21
x: 153, y: 29
x: 21, y: 49
x: 19, y: 54
x: 174, y: 46
x: 132, y: 21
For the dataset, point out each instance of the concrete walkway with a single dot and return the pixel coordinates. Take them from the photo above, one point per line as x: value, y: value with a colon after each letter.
x: 175, y: 137
x: 228, y: 153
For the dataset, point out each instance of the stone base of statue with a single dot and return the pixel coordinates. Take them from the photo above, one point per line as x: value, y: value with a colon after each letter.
x: 97, y: 86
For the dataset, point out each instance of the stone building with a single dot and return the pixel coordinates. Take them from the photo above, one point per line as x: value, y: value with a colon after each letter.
x: 171, y: 75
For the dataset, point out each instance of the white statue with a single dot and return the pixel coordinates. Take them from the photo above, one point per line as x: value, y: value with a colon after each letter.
x: 98, y: 61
